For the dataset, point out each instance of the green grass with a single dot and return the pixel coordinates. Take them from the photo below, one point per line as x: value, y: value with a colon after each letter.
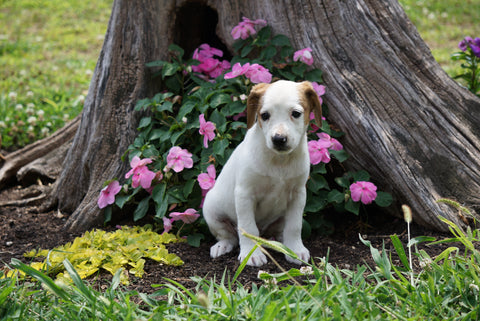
x: 48, y: 51
x: 443, y: 24
x: 445, y: 287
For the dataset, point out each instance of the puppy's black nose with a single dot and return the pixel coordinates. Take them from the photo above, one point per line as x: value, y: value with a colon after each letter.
x: 279, y: 141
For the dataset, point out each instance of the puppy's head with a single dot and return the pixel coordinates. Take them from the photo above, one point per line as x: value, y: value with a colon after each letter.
x: 282, y: 110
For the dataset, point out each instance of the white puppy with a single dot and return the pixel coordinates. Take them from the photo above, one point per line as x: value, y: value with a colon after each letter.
x: 261, y: 189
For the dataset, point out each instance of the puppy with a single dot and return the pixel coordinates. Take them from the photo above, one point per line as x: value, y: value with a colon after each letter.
x: 262, y: 187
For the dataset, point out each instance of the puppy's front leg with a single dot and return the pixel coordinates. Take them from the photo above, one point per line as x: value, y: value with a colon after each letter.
x: 292, y: 233
x: 245, y: 208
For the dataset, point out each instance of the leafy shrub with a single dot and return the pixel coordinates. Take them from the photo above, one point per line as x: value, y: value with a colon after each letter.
x: 192, y: 127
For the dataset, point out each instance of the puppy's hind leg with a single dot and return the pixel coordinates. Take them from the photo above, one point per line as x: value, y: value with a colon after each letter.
x: 225, y: 232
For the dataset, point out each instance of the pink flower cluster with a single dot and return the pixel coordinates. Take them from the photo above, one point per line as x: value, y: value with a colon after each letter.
x: 177, y: 159
x: 209, y: 65
x: 246, y: 28
x: 365, y: 192
x: 207, y: 181
x: 318, y: 149
x: 255, y: 72
x: 474, y: 44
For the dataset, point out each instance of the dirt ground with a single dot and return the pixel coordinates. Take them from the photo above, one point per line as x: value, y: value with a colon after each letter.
x: 23, y: 228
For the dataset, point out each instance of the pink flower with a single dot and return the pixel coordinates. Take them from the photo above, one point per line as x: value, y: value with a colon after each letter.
x: 246, y: 28
x: 207, y: 180
x: 167, y: 224
x: 107, y: 195
x: 304, y: 55
x: 363, y: 191
x: 178, y: 159
x: 319, y: 89
x: 189, y: 216
x: 334, y: 144
x: 141, y: 174
x: 207, y: 129
x: 237, y: 70
x: 209, y: 66
x: 318, y: 151
x: 256, y: 73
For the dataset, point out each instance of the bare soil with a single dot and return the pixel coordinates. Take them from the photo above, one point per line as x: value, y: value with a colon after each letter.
x: 23, y: 228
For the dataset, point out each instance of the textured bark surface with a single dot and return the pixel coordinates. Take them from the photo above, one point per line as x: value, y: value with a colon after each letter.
x: 413, y: 128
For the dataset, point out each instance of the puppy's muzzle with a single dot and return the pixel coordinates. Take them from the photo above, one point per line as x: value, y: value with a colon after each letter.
x: 280, y: 142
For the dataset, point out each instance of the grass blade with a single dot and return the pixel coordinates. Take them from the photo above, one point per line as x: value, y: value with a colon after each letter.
x: 48, y: 282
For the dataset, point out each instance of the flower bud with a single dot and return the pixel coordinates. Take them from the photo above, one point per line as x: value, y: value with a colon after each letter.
x: 407, y: 213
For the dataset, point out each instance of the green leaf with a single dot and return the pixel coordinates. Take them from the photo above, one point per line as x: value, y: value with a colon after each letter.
x: 219, y: 99
x: 268, y: 53
x: 383, y: 199
x: 78, y: 281
x: 361, y: 176
x: 314, y: 75
x: 281, y: 40
x: 340, y: 155
x: 144, y: 122
x: 195, y: 239
x: 342, y: 181
x: 219, y: 146
x: 353, y: 207
x: 165, y: 106
x: 187, y: 189
x: 158, y: 63
x: 186, y: 109
x: 316, y: 182
x: 246, y: 50
x: 169, y: 69
x: 141, y: 209
x: 334, y: 196
x: 143, y: 103
x: 397, y: 244
x: 176, y: 49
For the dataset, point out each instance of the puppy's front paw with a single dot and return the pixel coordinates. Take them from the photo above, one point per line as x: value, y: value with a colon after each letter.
x: 256, y: 259
x: 303, y: 254
x: 220, y: 248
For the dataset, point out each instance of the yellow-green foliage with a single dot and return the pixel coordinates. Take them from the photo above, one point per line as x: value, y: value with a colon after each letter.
x: 125, y: 248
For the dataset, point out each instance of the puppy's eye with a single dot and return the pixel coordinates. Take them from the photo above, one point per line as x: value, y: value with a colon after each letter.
x: 296, y: 114
x: 265, y: 116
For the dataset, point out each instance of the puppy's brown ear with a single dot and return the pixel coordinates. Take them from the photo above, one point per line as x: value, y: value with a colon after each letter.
x: 310, y: 102
x: 253, y: 103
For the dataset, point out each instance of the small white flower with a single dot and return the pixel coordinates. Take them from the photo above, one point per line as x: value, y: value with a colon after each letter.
x: 88, y: 72
x: 12, y: 95
x: 306, y: 270
x: 473, y: 286
x: 243, y: 97
x: 40, y: 114
x: 45, y: 131
x: 23, y: 73
x: 30, y: 129
x: 184, y: 120
x: 66, y: 117
x: 260, y: 273
x: 2, y: 124
x: 49, y: 124
x: 30, y: 94
x: 18, y: 107
x: 32, y: 120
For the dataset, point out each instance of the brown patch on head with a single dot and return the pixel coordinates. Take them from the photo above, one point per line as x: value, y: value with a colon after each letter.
x: 310, y: 102
x: 254, y: 102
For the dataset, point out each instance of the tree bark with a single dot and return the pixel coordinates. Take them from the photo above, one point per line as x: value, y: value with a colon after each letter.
x: 407, y: 123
